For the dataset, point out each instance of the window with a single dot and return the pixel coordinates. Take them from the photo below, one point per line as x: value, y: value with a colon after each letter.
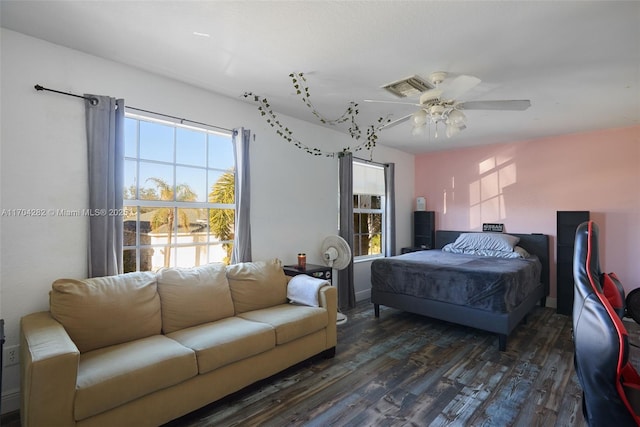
x: 368, y: 210
x: 178, y: 196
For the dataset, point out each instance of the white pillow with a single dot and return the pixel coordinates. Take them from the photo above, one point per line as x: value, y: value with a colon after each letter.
x: 491, y: 241
x: 517, y: 252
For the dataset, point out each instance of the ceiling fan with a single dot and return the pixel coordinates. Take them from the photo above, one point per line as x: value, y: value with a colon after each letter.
x: 439, y: 104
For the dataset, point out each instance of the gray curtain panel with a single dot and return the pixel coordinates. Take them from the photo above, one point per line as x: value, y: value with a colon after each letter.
x: 105, y: 148
x: 346, y: 290
x: 390, y: 209
x: 242, y: 238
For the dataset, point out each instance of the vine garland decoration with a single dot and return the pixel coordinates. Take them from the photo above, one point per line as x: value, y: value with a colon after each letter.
x: 299, y: 84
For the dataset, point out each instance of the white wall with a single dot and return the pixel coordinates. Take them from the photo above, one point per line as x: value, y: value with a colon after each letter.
x: 43, y: 166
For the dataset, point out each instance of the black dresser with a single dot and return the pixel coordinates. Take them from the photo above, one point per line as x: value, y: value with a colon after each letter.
x: 424, y: 229
x: 567, y: 222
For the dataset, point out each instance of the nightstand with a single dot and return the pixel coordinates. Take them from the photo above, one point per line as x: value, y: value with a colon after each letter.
x: 313, y: 270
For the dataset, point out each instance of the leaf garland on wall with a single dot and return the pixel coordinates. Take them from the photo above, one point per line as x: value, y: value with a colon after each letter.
x: 299, y: 83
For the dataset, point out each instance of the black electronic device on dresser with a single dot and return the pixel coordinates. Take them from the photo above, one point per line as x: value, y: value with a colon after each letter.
x: 567, y: 223
x: 424, y: 229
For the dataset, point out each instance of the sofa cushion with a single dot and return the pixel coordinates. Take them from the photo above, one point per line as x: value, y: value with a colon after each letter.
x: 256, y: 285
x: 104, y: 311
x: 226, y: 341
x: 192, y: 296
x: 290, y: 321
x: 111, y: 376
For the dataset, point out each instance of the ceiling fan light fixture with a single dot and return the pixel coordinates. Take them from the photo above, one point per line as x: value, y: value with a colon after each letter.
x: 454, y: 129
x: 437, y: 77
x: 436, y: 112
x: 430, y: 95
x: 456, y: 117
x: 420, y: 117
x: 418, y: 130
x: 439, y: 103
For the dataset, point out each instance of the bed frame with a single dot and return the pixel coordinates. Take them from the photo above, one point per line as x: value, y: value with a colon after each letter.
x: 499, y: 323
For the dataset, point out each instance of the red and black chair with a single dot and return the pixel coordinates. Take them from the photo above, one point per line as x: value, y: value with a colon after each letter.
x: 610, y: 384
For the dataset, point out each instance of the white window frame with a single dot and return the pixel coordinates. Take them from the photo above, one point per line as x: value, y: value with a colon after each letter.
x: 358, y: 210
x: 130, y: 204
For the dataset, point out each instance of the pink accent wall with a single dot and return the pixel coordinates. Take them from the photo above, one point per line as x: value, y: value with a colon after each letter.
x: 523, y: 184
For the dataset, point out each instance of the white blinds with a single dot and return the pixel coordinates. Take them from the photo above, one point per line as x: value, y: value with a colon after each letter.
x: 368, y: 179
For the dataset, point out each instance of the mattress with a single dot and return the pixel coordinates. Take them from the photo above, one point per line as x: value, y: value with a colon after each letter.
x: 486, y: 283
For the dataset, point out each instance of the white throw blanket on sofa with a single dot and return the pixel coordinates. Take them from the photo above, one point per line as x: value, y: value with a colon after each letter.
x: 303, y: 289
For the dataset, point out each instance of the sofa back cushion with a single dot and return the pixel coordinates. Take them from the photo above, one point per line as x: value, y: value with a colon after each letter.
x: 192, y: 296
x: 256, y: 285
x: 104, y: 311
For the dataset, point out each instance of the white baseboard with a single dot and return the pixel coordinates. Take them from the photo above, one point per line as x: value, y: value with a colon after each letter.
x: 552, y: 302
x: 363, y: 295
x: 10, y: 401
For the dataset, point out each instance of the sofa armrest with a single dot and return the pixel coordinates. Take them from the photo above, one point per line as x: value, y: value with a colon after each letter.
x: 49, y: 368
x: 328, y: 298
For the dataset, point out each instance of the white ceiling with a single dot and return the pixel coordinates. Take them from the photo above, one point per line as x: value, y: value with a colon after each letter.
x: 577, y: 61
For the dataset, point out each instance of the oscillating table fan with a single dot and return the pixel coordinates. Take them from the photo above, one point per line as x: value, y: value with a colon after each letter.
x: 336, y: 254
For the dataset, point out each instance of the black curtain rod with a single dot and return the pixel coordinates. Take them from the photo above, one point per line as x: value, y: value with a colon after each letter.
x: 94, y: 101
x: 371, y: 161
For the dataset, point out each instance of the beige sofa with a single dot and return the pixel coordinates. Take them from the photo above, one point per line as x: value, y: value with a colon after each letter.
x: 141, y: 349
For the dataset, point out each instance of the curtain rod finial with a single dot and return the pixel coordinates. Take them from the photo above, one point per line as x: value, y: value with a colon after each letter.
x: 38, y: 87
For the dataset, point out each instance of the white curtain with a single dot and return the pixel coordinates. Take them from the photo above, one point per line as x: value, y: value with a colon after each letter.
x: 105, y: 148
x: 242, y: 238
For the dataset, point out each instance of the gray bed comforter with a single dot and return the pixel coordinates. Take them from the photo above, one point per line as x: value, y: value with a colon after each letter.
x: 486, y: 283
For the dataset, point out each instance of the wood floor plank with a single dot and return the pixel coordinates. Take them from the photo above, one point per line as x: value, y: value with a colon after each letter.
x: 407, y: 370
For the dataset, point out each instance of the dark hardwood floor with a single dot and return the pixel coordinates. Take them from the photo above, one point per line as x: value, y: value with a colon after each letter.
x: 408, y: 370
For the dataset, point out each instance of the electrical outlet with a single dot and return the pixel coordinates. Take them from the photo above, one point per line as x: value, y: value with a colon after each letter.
x: 11, y: 355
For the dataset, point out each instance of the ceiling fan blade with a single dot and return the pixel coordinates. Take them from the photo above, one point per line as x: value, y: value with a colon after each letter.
x: 396, y: 122
x: 392, y: 102
x: 452, y: 89
x: 513, y: 105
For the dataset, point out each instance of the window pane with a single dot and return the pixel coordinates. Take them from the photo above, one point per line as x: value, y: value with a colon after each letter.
x: 364, y: 223
x: 130, y: 137
x: 156, y: 181
x: 365, y: 201
x: 129, y: 261
x: 375, y: 244
x: 191, y: 147
x: 156, y: 141
x: 364, y: 244
x: 375, y: 223
x: 220, y: 152
x: 191, y: 184
x: 356, y: 223
x: 222, y: 187
x: 192, y: 225
x: 190, y: 256
x: 376, y: 202
x: 356, y: 201
x: 130, y: 179
x: 356, y: 246
x: 221, y: 224
x: 161, y: 256
x: 220, y: 253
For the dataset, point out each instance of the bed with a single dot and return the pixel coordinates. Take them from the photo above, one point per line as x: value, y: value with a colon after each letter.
x: 484, y: 292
